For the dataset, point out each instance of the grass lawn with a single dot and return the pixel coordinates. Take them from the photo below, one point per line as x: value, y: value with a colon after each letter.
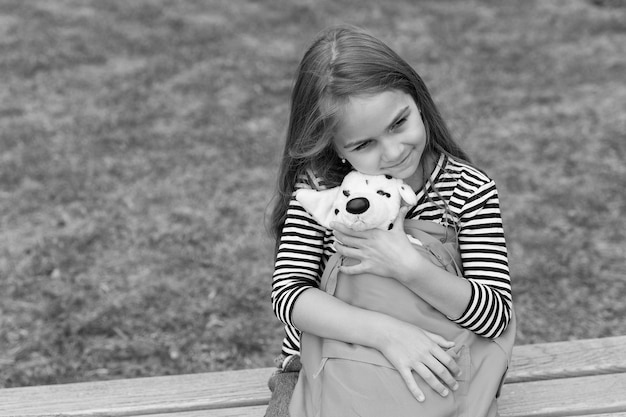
x: 139, y: 143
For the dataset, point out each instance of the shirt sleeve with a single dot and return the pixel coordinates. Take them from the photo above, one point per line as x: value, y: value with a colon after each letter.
x: 299, y: 260
x: 485, y: 263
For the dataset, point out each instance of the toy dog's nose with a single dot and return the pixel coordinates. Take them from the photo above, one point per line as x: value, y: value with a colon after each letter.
x: 357, y: 205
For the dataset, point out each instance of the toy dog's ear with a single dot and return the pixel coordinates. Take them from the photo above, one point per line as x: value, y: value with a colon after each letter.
x: 319, y: 204
x: 407, y: 193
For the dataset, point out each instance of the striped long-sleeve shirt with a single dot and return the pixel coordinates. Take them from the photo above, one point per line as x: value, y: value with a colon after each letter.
x: 473, y: 208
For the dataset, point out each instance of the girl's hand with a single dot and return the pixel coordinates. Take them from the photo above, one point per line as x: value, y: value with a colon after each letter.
x: 410, y: 349
x: 387, y: 253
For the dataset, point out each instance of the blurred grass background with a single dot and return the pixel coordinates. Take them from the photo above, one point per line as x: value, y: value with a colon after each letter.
x: 139, y: 142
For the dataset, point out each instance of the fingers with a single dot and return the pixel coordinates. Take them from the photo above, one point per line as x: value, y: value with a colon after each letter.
x: 429, y: 377
x: 450, y: 365
x: 442, y: 374
x: 345, y: 250
x: 410, y: 382
x: 398, y: 223
x: 435, y: 369
x: 348, y: 240
x: 354, y: 269
x: 444, y: 357
x: 446, y: 344
x: 435, y: 375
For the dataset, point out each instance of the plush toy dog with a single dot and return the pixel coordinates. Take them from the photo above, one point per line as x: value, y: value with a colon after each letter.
x: 361, y: 202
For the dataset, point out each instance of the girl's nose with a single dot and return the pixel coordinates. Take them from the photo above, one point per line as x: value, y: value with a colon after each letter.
x: 392, y: 151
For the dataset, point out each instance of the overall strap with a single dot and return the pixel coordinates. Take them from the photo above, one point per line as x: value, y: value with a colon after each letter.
x: 439, y: 243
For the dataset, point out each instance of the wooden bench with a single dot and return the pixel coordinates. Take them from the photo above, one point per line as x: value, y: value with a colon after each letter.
x: 577, y: 378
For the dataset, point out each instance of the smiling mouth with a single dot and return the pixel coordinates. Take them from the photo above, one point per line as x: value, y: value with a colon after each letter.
x: 403, y: 160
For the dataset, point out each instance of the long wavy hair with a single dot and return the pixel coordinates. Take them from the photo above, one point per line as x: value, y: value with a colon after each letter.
x: 343, y: 62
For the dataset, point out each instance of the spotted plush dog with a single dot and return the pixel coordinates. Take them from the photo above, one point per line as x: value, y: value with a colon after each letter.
x: 361, y: 202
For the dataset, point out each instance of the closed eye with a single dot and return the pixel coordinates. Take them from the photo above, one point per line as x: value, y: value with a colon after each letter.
x: 401, y: 120
x: 399, y: 123
x: 363, y: 145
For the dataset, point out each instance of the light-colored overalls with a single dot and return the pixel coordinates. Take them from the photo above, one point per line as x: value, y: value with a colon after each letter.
x: 342, y: 379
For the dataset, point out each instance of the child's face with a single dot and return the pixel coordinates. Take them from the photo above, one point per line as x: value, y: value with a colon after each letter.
x: 382, y: 134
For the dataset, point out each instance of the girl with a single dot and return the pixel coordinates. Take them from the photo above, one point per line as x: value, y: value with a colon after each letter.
x: 357, y: 105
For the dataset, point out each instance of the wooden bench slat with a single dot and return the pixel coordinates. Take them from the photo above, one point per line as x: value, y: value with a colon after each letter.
x: 604, y: 396
x: 259, y: 411
x: 590, y: 396
x: 254, y: 411
x: 578, y: 396
x: 587, y: 395
x: 248, y: 388
x: 623, y: 414
x: 568, y: 359
x: 139, y: 396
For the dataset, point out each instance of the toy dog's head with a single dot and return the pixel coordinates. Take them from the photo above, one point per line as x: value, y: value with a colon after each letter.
x: 361, y: 202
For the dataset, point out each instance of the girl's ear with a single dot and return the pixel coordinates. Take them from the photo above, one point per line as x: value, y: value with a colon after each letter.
x: 319, y: 204
x: 407, y: 193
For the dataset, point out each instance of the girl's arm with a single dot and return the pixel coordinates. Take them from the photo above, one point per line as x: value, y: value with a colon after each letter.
x: 408, y: 348
x: 485, y: 264
x: 481, y: 300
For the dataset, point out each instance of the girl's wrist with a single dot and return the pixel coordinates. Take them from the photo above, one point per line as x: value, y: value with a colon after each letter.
x: 411, y: 267
x: 384, y: 332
